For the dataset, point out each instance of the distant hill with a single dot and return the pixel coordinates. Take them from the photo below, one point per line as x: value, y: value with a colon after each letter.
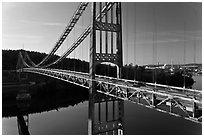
x: 10, y: 57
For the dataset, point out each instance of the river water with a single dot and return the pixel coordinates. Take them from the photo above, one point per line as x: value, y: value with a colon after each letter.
x: 66, y: 114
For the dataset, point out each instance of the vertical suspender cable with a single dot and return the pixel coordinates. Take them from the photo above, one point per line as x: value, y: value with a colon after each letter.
x: 127, y: 43
x: 100, y: 29
x: 106, y: 32
x: 100, y: 45
x: 74, y: 54
x: 62, y: 60
x: 194, y: 43
x: 194, y: 49
x: 82, y: 47
x: 106, y: 41
x: 135, y: 44
x: 155, y: 45
x: 111, y: 31
x: 88, y: 52
x: 88, y: 47
x: 67, y: 67
x: 106, y: 49
x: 184, y: 54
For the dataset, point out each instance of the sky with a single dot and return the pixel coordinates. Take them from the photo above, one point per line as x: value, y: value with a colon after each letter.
x: 173, y: 29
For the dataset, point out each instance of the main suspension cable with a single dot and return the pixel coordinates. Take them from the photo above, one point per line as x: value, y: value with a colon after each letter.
x: 67, y: 30
x: 87, y: 31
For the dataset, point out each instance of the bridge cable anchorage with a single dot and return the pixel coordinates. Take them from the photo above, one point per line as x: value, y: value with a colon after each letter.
x: 87, y: 31
x: 81, y: 8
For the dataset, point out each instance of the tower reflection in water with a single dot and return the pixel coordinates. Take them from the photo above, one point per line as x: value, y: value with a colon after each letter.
x: 23, y: 124
x: 38, y: 103
x: 108, y: 115
x: 108, y: 119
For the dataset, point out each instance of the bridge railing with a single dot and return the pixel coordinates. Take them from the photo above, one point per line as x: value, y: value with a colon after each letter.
x: 190, y: 104
x: 137, y: 82
x: 170, y: 89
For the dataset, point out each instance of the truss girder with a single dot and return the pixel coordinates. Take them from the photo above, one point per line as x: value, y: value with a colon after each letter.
x: 141, y: 95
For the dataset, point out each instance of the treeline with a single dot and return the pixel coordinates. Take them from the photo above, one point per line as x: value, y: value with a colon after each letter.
x: 10, y: 58
x: 160, y: 76
x: 139, y: 73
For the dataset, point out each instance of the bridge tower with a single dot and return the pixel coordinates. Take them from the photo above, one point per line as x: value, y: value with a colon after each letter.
x: 105, y: 46
x: 19, y: 67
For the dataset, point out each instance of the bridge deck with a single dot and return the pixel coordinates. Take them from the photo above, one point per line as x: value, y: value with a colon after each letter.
x: 176, y: 101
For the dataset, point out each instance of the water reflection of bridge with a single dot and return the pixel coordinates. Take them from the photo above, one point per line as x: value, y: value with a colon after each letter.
x: 58, y: 100
x: 106, y: 46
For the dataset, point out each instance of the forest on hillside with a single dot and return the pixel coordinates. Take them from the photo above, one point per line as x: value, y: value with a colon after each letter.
x: 139, y: 73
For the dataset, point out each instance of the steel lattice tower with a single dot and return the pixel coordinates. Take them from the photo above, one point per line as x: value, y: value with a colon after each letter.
x: 112, y: 25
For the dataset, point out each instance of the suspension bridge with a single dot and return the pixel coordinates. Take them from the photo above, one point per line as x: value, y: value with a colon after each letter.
x: 105, y: 33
